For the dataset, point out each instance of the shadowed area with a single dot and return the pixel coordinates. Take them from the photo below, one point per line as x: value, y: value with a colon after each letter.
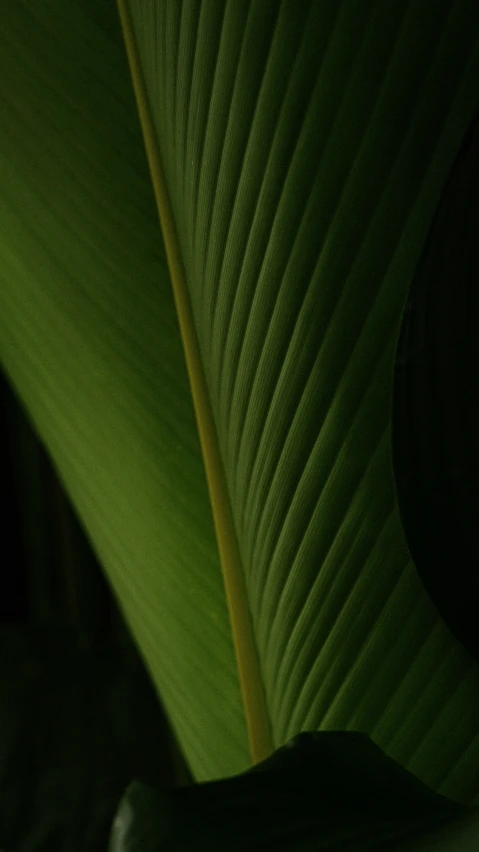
x: 79, y: 718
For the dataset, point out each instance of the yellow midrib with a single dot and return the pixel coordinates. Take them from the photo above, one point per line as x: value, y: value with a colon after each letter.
x: 257, y: 720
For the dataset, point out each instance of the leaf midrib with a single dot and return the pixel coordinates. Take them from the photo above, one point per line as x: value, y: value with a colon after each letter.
x: 252, y: 691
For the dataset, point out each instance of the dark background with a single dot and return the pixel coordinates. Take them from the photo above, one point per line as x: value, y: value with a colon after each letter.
x: 79, y: 718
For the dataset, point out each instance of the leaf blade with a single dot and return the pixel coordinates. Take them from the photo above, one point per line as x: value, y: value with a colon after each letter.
x: 297, y: 314
x: 89, y: 339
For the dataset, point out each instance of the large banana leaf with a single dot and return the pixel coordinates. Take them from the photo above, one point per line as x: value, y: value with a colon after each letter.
x: 297, y: 152
x: 90, y: 340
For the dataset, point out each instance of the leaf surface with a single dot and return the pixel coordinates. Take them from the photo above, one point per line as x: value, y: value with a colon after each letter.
x: 304, y: 150
x: 90, y: 340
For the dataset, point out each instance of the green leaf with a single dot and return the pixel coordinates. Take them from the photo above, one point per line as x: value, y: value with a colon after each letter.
x: 321, y: 791
x: 297, y: 154
x: 304, y: 151
x: 90, y: 340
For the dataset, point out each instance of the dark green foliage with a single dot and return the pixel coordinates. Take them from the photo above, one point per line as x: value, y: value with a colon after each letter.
x: 322, y: 791
x: 79, y: 716
x: 434, y: 423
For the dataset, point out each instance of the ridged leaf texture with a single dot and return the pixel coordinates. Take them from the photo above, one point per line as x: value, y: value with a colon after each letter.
x: 297, y: 153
